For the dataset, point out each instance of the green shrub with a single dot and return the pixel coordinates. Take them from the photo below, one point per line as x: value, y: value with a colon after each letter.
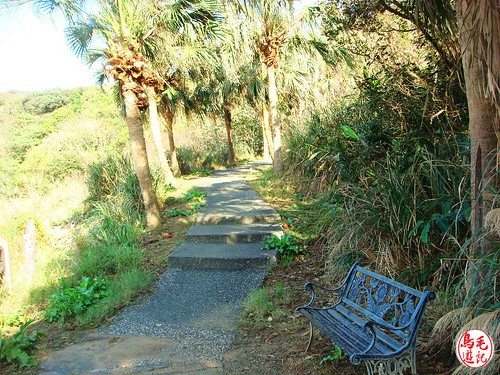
x: 247, y: 133
x: 173, y: 212
x: 265, y: 304
x: 108, y: 259
x: 122, y: 289
x: 16, y: 349
x: 202, y: 157
x: 54, y: 164
x: 13, y: 319
x: 44, y: 102
x: 73, y: 301
x: 114, y: 179
x: 287, y: 247
x: 194, y: 195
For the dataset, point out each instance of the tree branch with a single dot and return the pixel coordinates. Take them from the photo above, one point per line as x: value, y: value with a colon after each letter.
x: 425, y: 33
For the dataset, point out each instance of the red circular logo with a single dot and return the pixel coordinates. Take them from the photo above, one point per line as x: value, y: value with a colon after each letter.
x: 474, y: 348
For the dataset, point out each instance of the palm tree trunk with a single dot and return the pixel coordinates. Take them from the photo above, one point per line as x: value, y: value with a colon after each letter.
x: 274, y: 121
x: 266, y: 133
x: 229, y: 129
x: 140, y: 156
x: 155, y: 129
x: 482, y: 119
x: 169, y: 119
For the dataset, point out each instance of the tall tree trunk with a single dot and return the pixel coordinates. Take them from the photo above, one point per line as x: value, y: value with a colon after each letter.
x: 482, y: 118
x: 155, y: 129
x: 229, y: 130
x: 140, y: 156
x: 274, y: 121
x: 266, y: 133
x: 169, y: 119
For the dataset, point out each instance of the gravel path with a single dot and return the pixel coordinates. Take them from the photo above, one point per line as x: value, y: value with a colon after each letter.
x: 190, y: 320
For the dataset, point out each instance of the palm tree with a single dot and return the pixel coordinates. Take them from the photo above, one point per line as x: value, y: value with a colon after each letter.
x: 130, y: 30
x: 274, y: 24
x: 156, y: 131
x: 278, y: 27
x: 184, y: 38
x: 168, y: 116
x: 125, y: 34
x: 479, y: 35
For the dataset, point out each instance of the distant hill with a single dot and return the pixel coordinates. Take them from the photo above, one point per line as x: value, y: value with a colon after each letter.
x: 50, y: 135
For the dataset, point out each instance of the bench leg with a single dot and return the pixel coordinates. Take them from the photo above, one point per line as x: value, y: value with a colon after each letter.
x: 392, y: 366
x: 413, y: 361
x: 310, y: 337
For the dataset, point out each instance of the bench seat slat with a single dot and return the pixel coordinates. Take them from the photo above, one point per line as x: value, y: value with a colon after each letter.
x: 381, y: 335
x: 372, y: 316
x: 334, y: 332
x: 344, y: 332
x: 340, y: 326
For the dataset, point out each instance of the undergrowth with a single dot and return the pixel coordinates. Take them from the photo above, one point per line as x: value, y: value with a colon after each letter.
x: 16, y: 349
x: 265, y: 305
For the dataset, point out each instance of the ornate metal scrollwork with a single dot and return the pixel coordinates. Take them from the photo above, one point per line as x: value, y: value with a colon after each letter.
x: 388, y: 302
x: 393, y: 366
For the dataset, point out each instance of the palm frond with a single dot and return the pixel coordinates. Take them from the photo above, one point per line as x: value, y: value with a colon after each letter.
x: 79, y: 36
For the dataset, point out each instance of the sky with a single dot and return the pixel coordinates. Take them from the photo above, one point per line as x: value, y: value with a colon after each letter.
x: 34, y: 55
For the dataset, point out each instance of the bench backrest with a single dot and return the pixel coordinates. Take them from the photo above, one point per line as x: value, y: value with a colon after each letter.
x: 375, y: 297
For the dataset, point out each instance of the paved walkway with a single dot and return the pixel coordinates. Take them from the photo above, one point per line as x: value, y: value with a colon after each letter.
x: 191, y: 318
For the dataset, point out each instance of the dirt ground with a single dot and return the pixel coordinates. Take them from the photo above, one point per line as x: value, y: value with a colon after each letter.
x: 278, y: 348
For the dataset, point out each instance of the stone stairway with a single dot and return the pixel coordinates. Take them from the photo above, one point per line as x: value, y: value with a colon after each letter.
x: 193, y: 312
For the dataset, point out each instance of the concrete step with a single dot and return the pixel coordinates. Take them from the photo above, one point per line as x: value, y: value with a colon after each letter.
x: 231, y: 233
x: 221, y: 256
x: 250, y: 216
x: 236, y: 206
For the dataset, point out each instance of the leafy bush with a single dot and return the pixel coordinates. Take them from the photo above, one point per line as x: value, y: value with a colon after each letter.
x: 113, y: 180
x: 110, y: 248
x: 399, y: 201
x: 287, y: 247
x: 122, y: 288
x: 247, y: 133
x: 16, y: 349
x: 73, y: 301
x: 13, y: 319
x: 44, y: 102
x: 194, y: 195
x: 192, y: 160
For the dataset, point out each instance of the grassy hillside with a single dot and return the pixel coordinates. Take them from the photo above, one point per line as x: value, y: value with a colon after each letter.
x: 47, y: 143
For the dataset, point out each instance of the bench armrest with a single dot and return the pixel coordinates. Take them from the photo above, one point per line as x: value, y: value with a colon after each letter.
x: 309, y: 287
x: 312, y: 287
x: 371, y: 323
x: 356, y: 358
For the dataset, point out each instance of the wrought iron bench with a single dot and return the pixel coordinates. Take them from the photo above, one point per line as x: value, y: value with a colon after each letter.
x: 374, y: 320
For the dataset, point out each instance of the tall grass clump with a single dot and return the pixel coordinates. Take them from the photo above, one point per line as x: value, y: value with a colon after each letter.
x: 113, y: 181
x: 400, y: 208
x: 108, y: 246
